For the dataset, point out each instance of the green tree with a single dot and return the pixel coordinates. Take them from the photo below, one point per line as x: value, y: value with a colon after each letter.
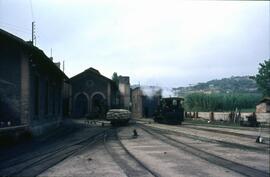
x: 263, y: 77
x: 220, y: 101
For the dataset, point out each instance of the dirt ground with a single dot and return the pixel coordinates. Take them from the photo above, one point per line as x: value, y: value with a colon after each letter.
x: 91, y: 162
x: 119, y: 153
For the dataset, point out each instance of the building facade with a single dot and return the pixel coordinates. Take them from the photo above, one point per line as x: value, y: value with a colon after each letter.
x: 31, y: 86
x: 145, y: 101
x: 263, y: 106
x: 124, y: 90
x: 92, y: 94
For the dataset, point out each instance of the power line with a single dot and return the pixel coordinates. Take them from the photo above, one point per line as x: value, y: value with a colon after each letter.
x: 32, y: 12
x: 16, y: 29
x: 14, y: 26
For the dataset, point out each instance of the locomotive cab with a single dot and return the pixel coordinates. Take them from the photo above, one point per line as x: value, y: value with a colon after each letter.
x: 170, y: 111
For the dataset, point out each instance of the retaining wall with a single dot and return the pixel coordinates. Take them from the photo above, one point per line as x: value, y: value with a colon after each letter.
x: 261, y: 117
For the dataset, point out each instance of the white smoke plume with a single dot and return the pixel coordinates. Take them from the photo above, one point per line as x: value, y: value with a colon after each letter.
x: 151, y: 91
x: 167, y: 92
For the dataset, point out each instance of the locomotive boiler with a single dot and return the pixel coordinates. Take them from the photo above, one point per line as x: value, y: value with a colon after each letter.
x: 170, y: 111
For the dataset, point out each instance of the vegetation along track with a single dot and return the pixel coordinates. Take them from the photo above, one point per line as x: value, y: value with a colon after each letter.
x: 131, y: 165
x: 34, y: 164
x: 234, y: 166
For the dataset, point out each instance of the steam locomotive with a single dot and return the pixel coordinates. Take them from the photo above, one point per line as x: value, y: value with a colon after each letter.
x: 170, y: 111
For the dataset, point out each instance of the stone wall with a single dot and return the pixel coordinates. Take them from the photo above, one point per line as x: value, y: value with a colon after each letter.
x: 31, y: 86
x: 263, y: 108
x: 261, y: 117
x: 46, y: 93
x: 124, y: 89
x: 9, y: 104
x: 25, y: 89
x: 10, y: 83
x: 86, y: 87
x: 143, y: 105
x: 45, y: 127
x: 136, y: 109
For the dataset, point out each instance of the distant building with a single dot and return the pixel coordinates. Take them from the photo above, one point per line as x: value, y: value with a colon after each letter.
x: 145, y: 101
x: 92, y: 94
x: 263, y: 106
x: 31, y: 86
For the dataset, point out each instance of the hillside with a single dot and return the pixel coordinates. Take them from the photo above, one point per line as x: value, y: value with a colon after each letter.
x: 234, y: 84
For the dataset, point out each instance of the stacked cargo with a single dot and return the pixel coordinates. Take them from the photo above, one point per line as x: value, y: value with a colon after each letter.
x: 118, y: 116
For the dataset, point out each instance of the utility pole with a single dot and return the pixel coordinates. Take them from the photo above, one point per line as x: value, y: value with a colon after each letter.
x: 63, y: 65
x: 33, y: 33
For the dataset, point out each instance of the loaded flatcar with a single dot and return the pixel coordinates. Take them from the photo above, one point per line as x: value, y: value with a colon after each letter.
x: 118, y: 116
x: 170, y: 111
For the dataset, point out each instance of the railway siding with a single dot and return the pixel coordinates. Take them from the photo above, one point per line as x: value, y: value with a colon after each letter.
x: 129, y: 163
x: 227, y: 138
x: 254, y: 160
x: 168, y: 160
x: 241, y: 132
x: 234, y: 166
x: 33, y: 163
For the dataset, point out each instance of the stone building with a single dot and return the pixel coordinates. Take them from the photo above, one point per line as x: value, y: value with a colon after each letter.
x: 136, y: 99
x: 263, y: 106
x: 92, y: 94
x: 31, y: 85
x: 145, y: 101
x: 124, y: 90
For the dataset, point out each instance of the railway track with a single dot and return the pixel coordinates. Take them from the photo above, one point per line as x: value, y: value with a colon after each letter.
x: 224, y: 143
x: 126, y: 160
x: 226, y: 132
x: 209, y: 129
x: 17, y: 151
x: 234, y: 166
x: 32, y: 164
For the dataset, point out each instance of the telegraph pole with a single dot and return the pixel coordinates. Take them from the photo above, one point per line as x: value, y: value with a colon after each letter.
x: 63, y: 65
x: 33, y: 33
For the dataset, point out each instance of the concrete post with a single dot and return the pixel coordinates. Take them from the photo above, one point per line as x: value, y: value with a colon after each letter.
x: 211, y: 116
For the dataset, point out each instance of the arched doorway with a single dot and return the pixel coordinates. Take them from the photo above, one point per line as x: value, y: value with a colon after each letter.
x: 99, y: 105
x: 81, y: 105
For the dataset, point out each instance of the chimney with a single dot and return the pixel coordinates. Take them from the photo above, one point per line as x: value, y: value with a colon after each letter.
x: 29, y: 42
x: 58, y: 64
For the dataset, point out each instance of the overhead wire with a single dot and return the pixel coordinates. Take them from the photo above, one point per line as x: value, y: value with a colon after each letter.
x: 14, y: 26
x: 15, y: 29
x: 32, y: 12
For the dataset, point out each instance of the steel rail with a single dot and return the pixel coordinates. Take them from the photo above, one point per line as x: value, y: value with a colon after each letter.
x: 121, y: 163
x: 234, y: 166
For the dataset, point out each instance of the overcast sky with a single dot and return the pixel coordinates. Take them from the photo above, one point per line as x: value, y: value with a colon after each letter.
x: 165, y: 43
